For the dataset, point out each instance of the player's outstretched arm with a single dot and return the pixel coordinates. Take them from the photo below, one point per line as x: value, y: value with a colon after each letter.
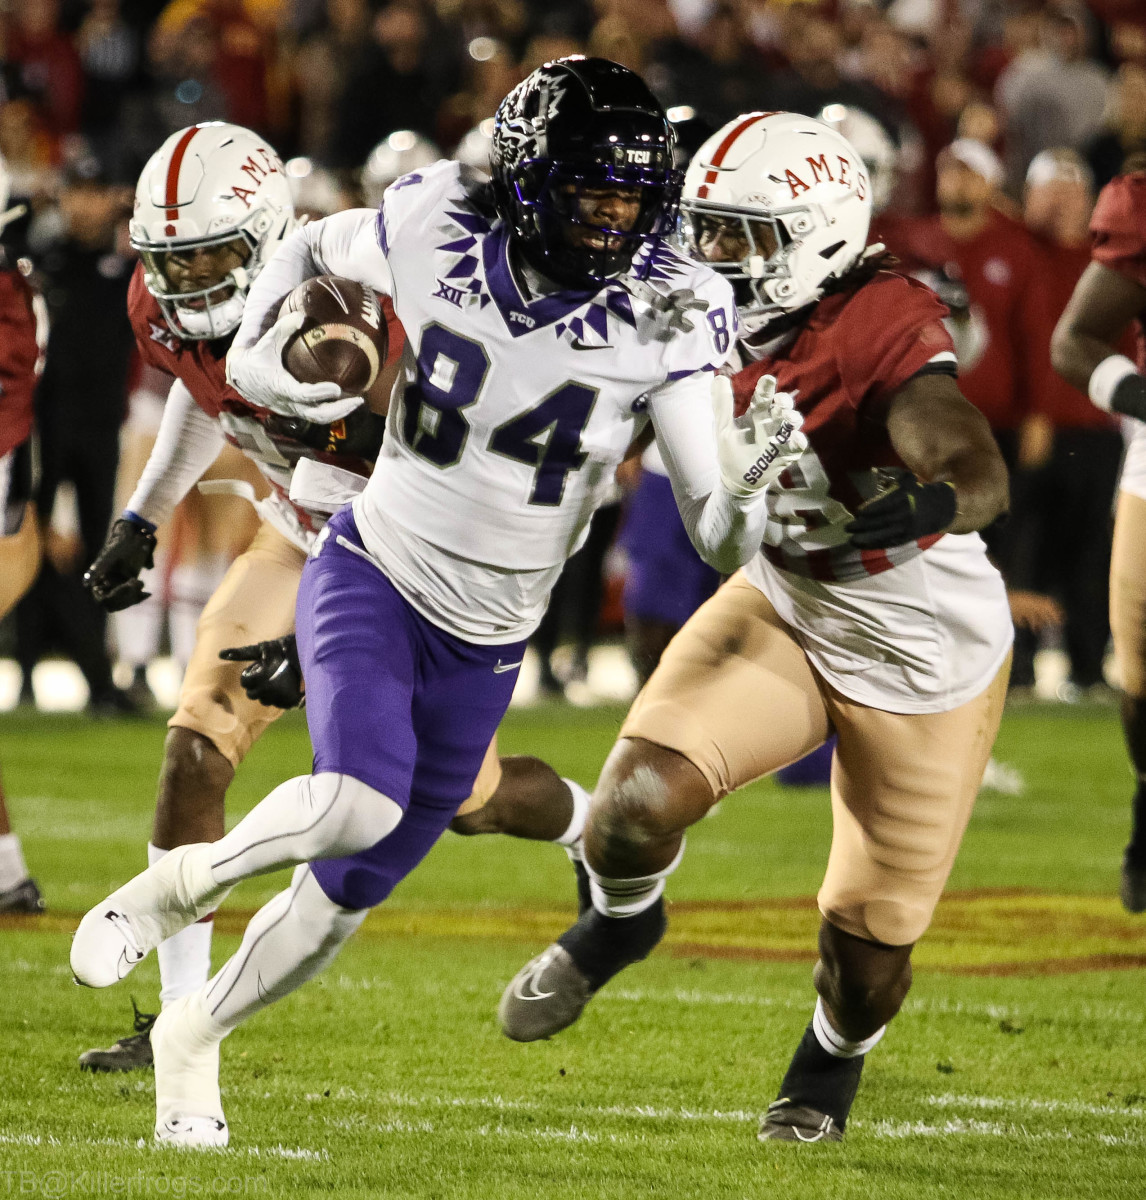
x: 188, y: 442
x: 956, y: 480
x: 1083, y: 348
x: 345, y: 244
x: 719, y: 465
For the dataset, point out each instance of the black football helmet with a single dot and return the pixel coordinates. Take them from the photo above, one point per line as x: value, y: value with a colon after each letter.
x: 579, y: 123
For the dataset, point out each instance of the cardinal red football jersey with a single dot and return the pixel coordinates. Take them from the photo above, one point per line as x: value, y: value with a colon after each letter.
x: 843, y: 366
x: 263, y: 436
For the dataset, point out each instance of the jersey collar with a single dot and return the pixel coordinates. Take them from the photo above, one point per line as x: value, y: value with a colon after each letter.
x: 519, y: 314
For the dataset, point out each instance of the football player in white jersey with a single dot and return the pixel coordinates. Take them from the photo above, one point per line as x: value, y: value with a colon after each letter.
x: 547, y: 322
x: 871, y: 610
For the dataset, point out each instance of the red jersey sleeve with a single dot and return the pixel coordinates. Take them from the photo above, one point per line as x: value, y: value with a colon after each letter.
x: 19, y: 359
x: 1119, y: 226
x: 152, y: 336
x: 396, y: 335
x: 890, y: 330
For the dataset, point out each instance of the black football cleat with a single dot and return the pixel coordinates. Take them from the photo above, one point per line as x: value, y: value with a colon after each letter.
x: 550, y: 992
x: 546, y: 996
x: 24, y: 899
x: 788, y: 1122
x: 131, y: 1053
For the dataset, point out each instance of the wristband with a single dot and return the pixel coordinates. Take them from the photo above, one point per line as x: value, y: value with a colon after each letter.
x: 1106, y: 377
x: 134, y: 517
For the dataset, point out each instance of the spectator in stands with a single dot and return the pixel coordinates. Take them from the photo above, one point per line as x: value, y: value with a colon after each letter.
x: 1073, y: 448
x: 46, y: 62
x: 399, y: 82
x: 1003, y: 342
x: 79, y: 408
x: 326, y: 58
x: 109, y: 49
x: 1053, y: 95
x: 1125, y: 133
x: 182, y: 92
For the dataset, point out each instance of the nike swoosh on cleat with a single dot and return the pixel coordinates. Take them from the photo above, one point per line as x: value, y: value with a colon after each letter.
x: 530, y: 981
x: 501, y: 668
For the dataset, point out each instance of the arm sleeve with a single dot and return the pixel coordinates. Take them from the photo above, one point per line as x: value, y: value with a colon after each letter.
x: 345, y: 244
x: 188, y: 442
x: 725, y: 529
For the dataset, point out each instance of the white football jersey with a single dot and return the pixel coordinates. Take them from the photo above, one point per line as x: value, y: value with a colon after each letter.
x: 512, y: 412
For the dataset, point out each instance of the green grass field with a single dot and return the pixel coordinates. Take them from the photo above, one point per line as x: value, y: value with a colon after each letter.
x: 1017, y: 1069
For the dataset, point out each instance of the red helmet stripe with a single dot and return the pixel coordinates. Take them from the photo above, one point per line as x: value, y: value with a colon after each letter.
x: 723, y: 149
x: 173, y: 171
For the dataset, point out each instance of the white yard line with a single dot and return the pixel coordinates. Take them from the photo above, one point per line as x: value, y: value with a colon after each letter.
x: 1029, y: 1104
x: 277, y: 1151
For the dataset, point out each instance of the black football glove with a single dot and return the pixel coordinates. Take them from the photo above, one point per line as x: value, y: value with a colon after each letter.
x: 274, y: 677
x: 1129, y: 397
x: 909, y: 511
x: 359, y: 434
x: 113, y: 579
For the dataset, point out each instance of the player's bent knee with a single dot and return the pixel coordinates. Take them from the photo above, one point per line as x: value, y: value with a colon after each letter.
x: 327, y: 923
x: 646, y: 794
x: 347, y: 816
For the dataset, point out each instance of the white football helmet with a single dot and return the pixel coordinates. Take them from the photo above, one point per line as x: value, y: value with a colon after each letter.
x: 874, y: 144
x: 206, y: 186
x: 397, y: 155
x: 790, y: 197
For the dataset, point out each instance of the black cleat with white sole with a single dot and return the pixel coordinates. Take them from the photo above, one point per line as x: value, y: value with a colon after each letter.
x: 788, y: 1122
x: 131, y: 1053
x: 550, y: 992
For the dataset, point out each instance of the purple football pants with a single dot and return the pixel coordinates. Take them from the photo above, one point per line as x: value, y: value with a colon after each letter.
x: 395, y: 702
x: 666, y: 579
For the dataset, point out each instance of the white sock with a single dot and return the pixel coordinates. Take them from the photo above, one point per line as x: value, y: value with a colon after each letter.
x: 192, y: 585
x: 628, y: 897
x: 137, y: 629
x: 12, y: 867
x: 288, y: 941
x: 311, y: 816
x: 834, y: 1042
x: 185, y: 958
x: 581, y: 799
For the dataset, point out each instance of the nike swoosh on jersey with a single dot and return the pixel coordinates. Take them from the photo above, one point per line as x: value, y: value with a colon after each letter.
x: 582, y: 346
x: 501, y: 668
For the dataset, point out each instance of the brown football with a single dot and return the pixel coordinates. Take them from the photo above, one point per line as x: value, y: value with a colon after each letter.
x: 343, y: 339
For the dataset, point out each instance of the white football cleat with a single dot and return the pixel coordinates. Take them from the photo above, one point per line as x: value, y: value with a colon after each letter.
x: 188, y: 1106
x: 117, y: 935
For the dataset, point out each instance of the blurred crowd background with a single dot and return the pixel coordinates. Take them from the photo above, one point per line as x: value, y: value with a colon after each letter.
x: 988, y: 126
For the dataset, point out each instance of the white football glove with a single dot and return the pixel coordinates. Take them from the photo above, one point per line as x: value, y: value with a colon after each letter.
x: 258, y: 375
x: 758, y: 447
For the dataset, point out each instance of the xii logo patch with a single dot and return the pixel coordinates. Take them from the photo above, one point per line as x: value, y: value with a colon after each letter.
x: 447, y: 291
x: 164, y: 336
